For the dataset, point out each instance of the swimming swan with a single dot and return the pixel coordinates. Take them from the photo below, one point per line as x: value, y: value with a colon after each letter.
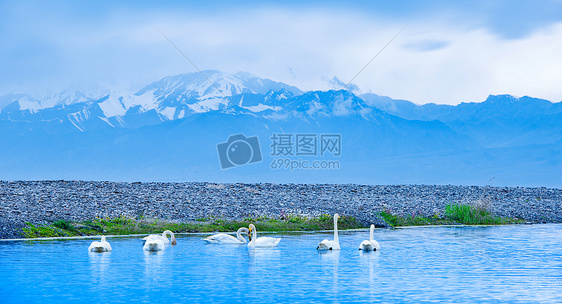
x: 162, y: 237
x: 331, y: 245
x: 154, y: 244
x: 223, y: 238
x: 371, y: 244
x: 262, y: 241
x: 102, y: 246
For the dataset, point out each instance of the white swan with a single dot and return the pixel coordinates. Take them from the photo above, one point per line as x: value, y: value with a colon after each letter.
x: 262, y: 241
x: 154, y: 244
x: 371, y: 244
x: 223, y: 238
x: 331, y: 245
x: 102, y: 246
x: 162, y: 237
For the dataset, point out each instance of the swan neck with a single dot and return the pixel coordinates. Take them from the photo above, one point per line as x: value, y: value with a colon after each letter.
x: 239, y: 234
x: 371, y: 234
x: 172, y: 236
x: 254, y: 236
x: 336, y: 239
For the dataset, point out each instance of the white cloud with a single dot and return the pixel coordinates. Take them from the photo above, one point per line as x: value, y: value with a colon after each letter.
x: 475, y: 64
x: 431, y: 61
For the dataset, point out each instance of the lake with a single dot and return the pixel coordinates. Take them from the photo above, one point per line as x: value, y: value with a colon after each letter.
x: 516, y: 263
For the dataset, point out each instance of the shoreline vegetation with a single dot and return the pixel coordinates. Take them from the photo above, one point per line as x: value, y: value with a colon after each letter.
x: 455, y: 214
x: 126, y: 226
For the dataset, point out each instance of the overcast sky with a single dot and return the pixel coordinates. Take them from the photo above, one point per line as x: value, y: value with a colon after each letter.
x: 449, y: 51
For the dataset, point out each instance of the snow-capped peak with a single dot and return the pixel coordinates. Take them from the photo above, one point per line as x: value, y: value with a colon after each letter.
x: 64, y: 98
x: 171, y: 97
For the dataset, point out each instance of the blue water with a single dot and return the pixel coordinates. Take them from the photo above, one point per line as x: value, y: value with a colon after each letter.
x: 519, y: 264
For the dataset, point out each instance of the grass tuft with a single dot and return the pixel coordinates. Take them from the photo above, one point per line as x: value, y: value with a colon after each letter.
x: 454, y: 214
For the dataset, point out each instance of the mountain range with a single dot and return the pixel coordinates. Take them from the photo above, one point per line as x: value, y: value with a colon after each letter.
x: 169, y: 131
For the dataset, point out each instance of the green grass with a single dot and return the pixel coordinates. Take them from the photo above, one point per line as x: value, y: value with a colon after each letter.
x: 455, y: 214
x: 123, y: 226
x: 397, y: 220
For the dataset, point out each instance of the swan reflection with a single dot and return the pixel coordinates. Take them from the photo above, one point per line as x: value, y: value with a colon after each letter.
x: 99, y: 263
x: 331, y: 259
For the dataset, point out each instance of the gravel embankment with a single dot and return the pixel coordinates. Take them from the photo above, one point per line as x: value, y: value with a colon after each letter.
x: 45, y: 201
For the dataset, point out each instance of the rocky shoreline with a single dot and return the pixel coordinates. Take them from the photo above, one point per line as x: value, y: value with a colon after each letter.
x: 41, y: 202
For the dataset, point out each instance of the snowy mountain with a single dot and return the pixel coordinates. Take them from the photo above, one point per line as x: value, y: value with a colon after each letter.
x: 176, y: 97
x: 169, y: 130
x: 170, y: 98
x: 22, y: 102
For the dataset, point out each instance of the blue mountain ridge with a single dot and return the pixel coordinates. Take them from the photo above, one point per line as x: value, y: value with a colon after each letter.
x: 384, y: 141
